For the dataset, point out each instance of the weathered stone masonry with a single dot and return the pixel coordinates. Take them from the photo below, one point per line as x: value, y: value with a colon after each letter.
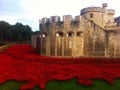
x: 94, y: 33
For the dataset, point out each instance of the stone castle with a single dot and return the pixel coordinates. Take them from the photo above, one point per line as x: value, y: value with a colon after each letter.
x: 94, y: 33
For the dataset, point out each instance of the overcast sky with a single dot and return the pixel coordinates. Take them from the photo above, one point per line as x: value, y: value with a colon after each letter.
x: 31, y: 11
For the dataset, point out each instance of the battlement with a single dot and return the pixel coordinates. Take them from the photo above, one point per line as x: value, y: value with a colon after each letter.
x: 111, y: 11
x: 44, y: 20
x: 92, y: 9
x: 67, y: 18
x: 99, y: 15
x: 57, y: 19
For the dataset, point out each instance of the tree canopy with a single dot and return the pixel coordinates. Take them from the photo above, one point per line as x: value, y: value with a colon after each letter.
x: 17, y: 32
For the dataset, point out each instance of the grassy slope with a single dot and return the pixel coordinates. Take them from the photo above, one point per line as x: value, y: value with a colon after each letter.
x: 65, y: 85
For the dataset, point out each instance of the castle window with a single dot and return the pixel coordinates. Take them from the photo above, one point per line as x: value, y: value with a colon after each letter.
x: 43, y: 35
x: 79, y: 34
x: 91, y: 15
x: 70, y: 34
x: 59, y: 34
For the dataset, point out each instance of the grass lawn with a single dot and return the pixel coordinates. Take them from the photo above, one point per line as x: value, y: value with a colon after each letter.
x: 65, y: 85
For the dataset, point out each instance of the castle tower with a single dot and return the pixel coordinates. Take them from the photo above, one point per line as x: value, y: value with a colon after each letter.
x: 95, y: 14
x: 99, y: 15
x: 109, y: 14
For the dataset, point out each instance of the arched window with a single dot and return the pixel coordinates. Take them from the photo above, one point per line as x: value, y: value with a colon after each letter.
x: 59, y: 34
x: 91, y: 15
x: 44, y: 35
x: 79, y: 34
x: 70, y: 34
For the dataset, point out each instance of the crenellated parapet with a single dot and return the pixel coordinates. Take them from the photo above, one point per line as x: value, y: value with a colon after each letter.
x: 55, y: 19
x: 44, y: 20
x: 92, y: 9
x: 110, y: 11
x: 55, y: 23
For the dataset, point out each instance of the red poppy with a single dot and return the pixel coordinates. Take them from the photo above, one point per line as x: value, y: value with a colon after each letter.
x: 20, y: 62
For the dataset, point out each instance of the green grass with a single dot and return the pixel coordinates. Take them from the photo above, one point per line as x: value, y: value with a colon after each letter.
x: 65, y: 85
x: 10, y: 85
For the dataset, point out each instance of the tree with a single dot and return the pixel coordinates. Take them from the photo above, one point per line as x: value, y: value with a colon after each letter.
x: 5, y: 31
x: 21, y: 32
x: 36, y: 32
x: 17, y: 32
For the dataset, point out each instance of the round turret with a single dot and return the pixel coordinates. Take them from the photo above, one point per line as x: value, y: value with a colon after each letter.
x: 95, y: 14
x: 92, y: 9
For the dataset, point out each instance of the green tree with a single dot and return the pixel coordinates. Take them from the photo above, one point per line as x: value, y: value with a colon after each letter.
x: 36, y: 32
x: 5, y: 31
x: 17, y: 32
x: 21, y: 32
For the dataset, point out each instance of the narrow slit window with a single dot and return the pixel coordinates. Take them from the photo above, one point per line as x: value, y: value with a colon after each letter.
x: 70, y: 34
x: 91, y: 15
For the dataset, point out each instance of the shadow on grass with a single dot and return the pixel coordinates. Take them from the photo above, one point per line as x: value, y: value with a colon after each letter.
x: 64, y: 85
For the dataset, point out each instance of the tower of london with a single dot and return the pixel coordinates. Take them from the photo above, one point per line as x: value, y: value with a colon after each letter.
x: 93, y: 33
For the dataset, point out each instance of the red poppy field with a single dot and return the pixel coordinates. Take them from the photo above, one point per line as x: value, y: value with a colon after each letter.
x: 20, y: 62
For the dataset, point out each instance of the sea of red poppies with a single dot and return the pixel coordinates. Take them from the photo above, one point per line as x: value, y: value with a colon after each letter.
x: 20, y: 62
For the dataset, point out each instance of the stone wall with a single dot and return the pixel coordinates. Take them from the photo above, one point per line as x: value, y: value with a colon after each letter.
x: 80, y: 37
x: 114, y: 44
x: 67, y: 46
x: 94, y: 39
